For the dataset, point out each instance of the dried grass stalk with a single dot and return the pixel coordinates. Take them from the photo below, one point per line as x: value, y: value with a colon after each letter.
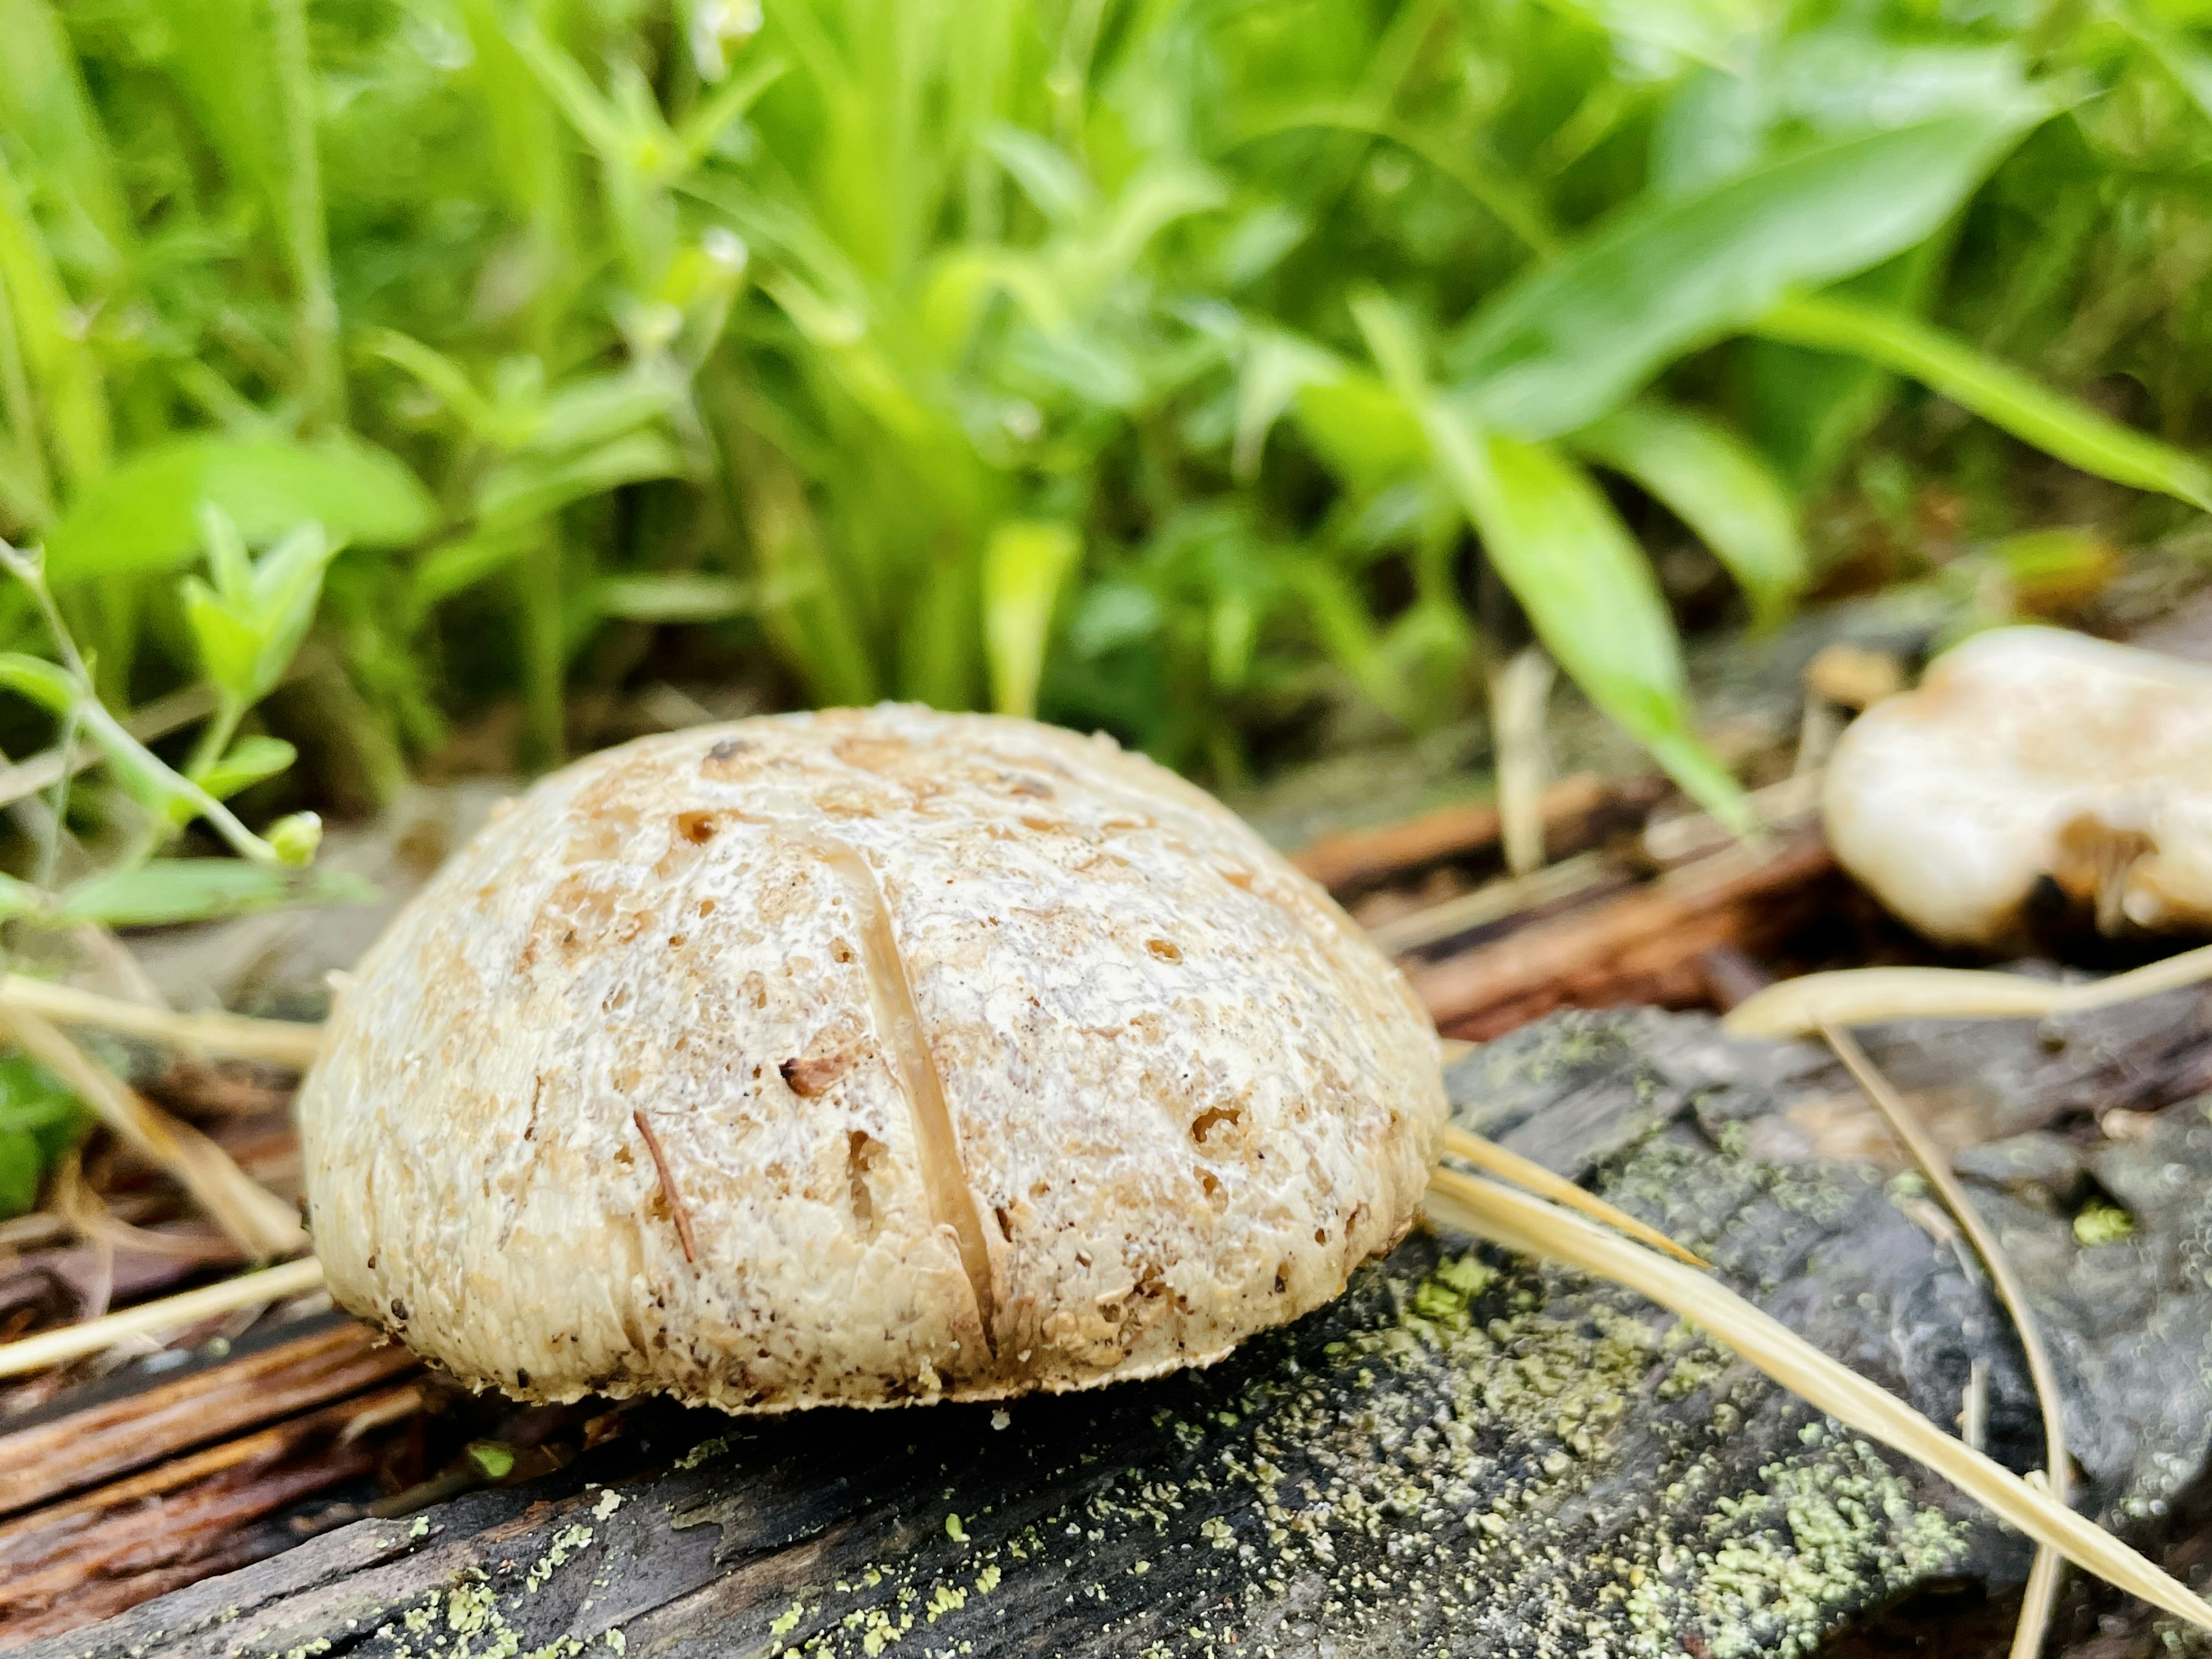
x: 1866, y: 996
x: 1489, y: 1156
x: 59, y: 1347
x: 1905, y: 1123
x: 264, y: 1224
x: 1533, y: 1227
x: 278, y: 1042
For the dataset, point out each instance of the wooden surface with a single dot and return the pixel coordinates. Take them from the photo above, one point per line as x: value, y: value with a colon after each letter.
x: 1464, y: 1456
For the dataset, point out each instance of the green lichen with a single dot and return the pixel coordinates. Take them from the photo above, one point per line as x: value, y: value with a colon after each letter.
x: 2100, y: 1223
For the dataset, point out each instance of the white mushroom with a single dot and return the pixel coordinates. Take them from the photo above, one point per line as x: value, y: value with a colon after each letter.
x: 869, y: 1057
x: 2030, y: 754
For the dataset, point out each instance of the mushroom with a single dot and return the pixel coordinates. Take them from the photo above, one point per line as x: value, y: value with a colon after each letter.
x: 2031, y: 760
x: 865, y: 1057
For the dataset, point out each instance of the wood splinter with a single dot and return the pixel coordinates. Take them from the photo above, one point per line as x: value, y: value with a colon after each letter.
x: 677, y: 1212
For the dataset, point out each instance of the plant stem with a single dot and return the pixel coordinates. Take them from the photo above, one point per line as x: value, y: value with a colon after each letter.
x: 110, y: 733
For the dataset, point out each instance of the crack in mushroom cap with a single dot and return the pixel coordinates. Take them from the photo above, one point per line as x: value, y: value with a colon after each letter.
x: 2030, y: 754
x: 980, y: 1057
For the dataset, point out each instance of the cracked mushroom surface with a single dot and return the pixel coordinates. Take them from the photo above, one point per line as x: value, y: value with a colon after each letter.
x: 2032, y: 760
x: 864, y: 1057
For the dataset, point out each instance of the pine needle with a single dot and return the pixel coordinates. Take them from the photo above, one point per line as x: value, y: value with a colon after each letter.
x: 1866, y: 996
x: 1535, y: 1228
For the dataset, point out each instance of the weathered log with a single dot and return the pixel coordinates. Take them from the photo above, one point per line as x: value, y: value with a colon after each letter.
x: 1465, y: 1454
x: 83, y: 1448
x: 1646, y: 946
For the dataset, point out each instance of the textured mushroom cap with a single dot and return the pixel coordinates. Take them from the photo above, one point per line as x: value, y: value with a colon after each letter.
x: 866, y: 1057
x: 2028, y: 754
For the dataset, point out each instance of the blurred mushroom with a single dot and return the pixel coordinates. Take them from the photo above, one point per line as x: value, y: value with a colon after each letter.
x: 2027, y: 756
x: 872, y: 1056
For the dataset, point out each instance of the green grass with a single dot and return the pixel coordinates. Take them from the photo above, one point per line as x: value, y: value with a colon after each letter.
x: 1173, y: 366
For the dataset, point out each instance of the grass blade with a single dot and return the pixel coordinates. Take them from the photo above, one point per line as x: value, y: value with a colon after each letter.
x: 1026, y: 564
x: 1868, y: 996
x: 43, y: 102
x: 306, y: 239
x: 64, y: 370
x: 1588, y: 590
x: 1720, y: 487
x: 1999, y: 393
x: 1571, y: 340
x: 1534, y: 1228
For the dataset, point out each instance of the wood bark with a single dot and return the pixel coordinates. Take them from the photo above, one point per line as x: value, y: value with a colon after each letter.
x: 1465, y: 1454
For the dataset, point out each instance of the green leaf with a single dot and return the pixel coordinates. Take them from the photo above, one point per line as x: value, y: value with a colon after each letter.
x: 287, y: 581
x: 144, y: 514
x: 19, y: 899
x: 54, y: 689
x: 166, y: 890
x: 1025, y: 564
x: 1045, y: 173
x: 1569, y: 342
x: 1717, y: 484
x: 1341, y: 620
x: 672, y: 597
x: 229, y: 560
x: 529, y: 488
x: 227, y: 643
x: 251, y: 760
x: 43, y: 101
x: 63, y: 369
x: 40, y: 1120
x: 595, y: 409
x: 1362, y: 429
x: 21, y: 1169
x: 1588, y: 590
x: 1277, y: 366
x: 1997, y: 393
x: 453, y: 566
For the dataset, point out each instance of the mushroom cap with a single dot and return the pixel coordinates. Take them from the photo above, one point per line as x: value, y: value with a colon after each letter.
x: 865, y: 1057
x: 2027, y: 754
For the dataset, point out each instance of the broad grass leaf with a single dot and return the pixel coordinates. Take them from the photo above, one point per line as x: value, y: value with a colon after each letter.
x: 2002, y: 395
x: 1026, y: 565
x: 144, y: 514
x: 1571, y: 340
x: 1588, y: 590
x: 1834, y: 81
x: 1717, y: 484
